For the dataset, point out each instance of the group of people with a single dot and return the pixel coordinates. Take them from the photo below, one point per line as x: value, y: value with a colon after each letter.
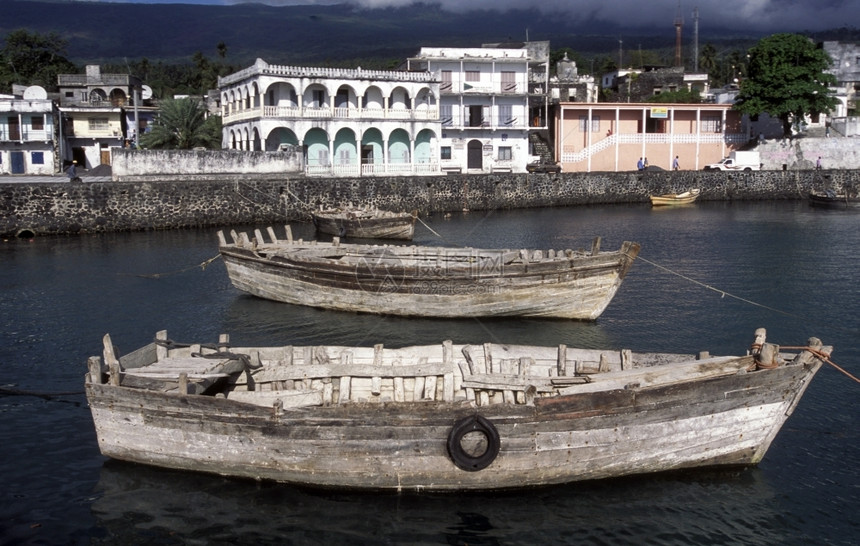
x: 642, y: 164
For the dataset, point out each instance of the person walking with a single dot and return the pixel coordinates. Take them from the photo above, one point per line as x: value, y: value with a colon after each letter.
x: 676, y: 164
x: 640, y: 165
x: 818, y: 164
x: 72, y: 172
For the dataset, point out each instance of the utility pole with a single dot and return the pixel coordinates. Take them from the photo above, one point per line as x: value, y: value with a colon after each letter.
x: 620, y: 55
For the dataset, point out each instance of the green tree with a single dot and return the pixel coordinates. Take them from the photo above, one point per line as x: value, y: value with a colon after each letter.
x: 33, y: 59
x: 182, y: 124
x: 786, y: 80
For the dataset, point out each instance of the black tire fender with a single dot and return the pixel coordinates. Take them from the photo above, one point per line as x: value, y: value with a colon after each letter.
x: 465, y: 461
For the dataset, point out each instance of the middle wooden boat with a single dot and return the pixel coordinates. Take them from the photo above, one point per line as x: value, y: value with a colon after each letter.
x: 366, y: 223
x: 427, y: 281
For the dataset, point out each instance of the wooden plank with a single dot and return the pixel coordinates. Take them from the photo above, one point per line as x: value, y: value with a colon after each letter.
x: 562, y: 360
x: 289, y: 399
x: 430, y: 387
x: 161, y: 351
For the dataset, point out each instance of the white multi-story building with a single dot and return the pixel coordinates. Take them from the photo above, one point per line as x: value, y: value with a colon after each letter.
x: 28, y: 141
x: 93, y: 114
x: 490, y: 99
x: 348, y: 122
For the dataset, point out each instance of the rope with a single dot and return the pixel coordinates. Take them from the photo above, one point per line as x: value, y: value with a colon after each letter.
x: 45, y: 395
x: 201, y: 265
x: 428, y: 227
x: 825, y: 358
x: 722, y: 293
x: 296, y: 197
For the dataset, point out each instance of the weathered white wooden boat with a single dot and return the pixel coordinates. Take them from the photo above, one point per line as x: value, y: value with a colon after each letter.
x: 366, y: 223
x: 447, y: 417
x: 833, y: 200
x: 427, y: 281
x: 683, y: 198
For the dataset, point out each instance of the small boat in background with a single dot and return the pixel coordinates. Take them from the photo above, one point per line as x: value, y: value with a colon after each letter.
x: 833, y: 200
x: 684, y: 198
x: 366, y: 223
x: 441, y: 417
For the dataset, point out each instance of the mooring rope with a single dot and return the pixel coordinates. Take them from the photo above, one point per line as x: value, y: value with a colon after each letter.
x: 428, y: 227
x: 722, y: 293
x: 823, y: 356
x: 201, y: 265
x: 38, y: 394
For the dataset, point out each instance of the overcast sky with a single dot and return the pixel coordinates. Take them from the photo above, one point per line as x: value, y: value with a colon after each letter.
x: 766, y: 15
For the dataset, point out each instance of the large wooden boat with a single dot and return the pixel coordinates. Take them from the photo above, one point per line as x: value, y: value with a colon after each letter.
x: 427, y: 281
x: 683, y: 198
x: 366, y: 223
x: 446, y: 417
x: 833, y: 200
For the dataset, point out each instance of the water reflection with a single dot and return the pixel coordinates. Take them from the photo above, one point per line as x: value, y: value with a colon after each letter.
x: 256, y: 320
x: 702, y: 507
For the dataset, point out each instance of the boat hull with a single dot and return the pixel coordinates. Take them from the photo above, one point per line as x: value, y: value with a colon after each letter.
x: 727, y: 420
x: 383, y: 281
x: 833, y: 201
x: 385, y: 225
x: 684, y: 198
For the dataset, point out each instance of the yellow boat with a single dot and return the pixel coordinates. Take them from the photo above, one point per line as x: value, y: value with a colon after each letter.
x: 684, y: 198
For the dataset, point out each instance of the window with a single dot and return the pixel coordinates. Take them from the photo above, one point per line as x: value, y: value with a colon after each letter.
x: 37, y: 158
x: 711, y: 124
x: 583, y: 124
x: 446, y: 115
x: 506, y: 116
x: 509, y: 81
x: 70, y: 94
x: 446, y: 81
x: 446, y: 152
x: 505, y: 153
x: 99, y: 124
x: 37, y: 123
x: 473, y: 76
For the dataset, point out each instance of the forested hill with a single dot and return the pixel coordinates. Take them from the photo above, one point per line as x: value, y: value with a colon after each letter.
x: 103, y: 32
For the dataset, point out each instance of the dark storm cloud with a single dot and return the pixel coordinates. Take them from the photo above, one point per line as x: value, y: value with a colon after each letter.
x: 766, y: 15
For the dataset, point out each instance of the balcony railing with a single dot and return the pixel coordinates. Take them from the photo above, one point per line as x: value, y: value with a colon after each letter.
x: 308, y: 112
x: 374, y: 169
x: 25, y: 135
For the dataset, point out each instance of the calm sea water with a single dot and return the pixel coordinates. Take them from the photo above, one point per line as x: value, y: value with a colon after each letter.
x: 707, y: 276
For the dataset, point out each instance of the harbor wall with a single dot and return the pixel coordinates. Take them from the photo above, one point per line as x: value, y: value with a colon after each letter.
x: 171, y: 202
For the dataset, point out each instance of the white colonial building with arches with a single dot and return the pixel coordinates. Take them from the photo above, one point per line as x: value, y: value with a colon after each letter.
x: 347, y: 122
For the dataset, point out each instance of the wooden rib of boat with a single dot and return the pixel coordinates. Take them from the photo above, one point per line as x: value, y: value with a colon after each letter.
x: 366, y: 223
x: 684, y: 198
x: 427, y: 281
x: 833, y: 200
x: 447, y: 417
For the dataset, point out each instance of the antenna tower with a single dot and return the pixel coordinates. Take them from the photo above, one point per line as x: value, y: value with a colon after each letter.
x: 679, y: 22
x: 696, y: 40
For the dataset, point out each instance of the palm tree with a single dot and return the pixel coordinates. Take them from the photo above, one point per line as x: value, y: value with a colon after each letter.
x: 182, y: 124
x: 708, y: 60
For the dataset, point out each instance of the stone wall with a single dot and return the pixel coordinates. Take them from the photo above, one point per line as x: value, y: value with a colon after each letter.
x: 130, y: 165
x: 802, y: 153
x: 179, y: 202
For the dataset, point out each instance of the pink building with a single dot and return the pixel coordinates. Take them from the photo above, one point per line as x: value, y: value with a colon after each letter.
x: 614, y: 136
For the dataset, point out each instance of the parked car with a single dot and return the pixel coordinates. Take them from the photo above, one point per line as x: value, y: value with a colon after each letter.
x: 543, y: 167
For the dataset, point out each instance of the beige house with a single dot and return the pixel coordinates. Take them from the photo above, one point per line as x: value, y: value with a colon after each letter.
x: 614, y: 136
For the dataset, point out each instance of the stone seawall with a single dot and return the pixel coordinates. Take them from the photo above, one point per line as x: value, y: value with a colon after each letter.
x: 188, y: 201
